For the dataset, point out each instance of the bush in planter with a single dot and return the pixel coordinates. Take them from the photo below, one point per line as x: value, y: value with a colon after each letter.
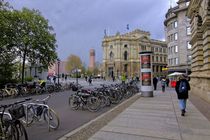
x: 28, y: 79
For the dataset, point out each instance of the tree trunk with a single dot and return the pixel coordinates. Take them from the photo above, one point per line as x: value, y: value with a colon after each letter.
x: 23, y: 66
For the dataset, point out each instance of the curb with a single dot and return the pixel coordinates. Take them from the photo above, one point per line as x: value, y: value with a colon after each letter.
x: 87, y: 130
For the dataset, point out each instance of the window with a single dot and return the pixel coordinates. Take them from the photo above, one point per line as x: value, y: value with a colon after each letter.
x: 156, y: 49
x: 169, y: 38
x: 176, y: 61
x: 152, y: 58
x: 172, y: 47
x: 164, y: 59
x: 175, y: 36
x: 160, y: 49
x: 152, y: 49
x: 111, y: 56
x: 125, y: 55
x: 172, y: 37
x: 143, y: 47
x: 125, y: 46
x: 156, y: 58
x: 111, y: 47
x: 175, y: 24
x: 125, y: 67
x: 188, y: 31
x: 169, y: 50
x: 189, y: 58
x: 160, y: 58
x: 164, y: 50
x: 176, y: 49
x: 189, y: 46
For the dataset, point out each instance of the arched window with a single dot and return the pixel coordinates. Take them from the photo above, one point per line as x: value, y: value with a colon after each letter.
x: 125, y: 55
x: 111, y: 56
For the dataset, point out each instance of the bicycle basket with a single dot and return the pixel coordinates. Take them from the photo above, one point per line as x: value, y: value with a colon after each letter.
x: 17, y: 111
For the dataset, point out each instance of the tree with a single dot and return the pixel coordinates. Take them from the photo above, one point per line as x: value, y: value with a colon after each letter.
x: 8, y: 62
x: 73, y: 62
x: 29, y: 35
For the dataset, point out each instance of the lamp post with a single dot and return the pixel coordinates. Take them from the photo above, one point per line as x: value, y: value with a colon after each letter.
x: 76, y: 76
x: 58, y: 61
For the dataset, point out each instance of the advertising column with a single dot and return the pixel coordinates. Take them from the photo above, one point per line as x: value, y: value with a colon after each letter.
x: 146, y: 74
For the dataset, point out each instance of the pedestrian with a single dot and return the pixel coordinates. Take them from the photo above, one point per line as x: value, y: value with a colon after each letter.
x: 113, y: 78
x: 167, y: 82
x: 90, y: 80
x: 182, y: 88
x: 65, y: 77
x: 54, y: 79
x: 155, y: 81
x: 123, y: 78
x: 163, y: 84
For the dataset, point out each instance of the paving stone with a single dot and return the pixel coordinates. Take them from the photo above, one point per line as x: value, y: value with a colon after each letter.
x: 120, y: 136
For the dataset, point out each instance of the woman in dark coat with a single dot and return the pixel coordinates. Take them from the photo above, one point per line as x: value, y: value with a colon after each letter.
x: 182, y: 87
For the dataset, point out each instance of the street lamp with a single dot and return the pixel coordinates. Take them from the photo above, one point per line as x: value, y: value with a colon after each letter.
x: 76, y: 76
x: 58, y: 61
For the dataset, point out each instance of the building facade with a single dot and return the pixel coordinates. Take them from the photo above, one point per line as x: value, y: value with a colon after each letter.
x: 199, y: 13
x: 178, y: 34
x: 121, y: 54
x: 58, y: 66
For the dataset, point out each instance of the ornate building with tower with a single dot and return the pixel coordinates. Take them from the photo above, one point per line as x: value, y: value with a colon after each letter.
x: 121, y: 54
x: 199, y: 14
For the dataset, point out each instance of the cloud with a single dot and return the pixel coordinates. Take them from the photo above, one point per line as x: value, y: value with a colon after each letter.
x: 80, y: 24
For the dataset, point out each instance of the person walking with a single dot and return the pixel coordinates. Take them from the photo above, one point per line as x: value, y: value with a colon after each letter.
x: 163, y: 84
x: 182, y: 88
x: 54, y: 79
x: 123, y: 78
x: 167, y: 82
x: 90, y: 80
x: 155, y: 81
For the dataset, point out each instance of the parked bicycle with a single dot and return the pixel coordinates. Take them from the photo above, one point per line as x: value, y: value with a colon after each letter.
x: 80, y: 99
x: 38, y: 110
x: 11, y: 128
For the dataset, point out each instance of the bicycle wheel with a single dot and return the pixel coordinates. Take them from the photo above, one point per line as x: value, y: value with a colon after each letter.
x: 10, y: 131
x: 93, y: 104
x: 103, y: 100
x: 114, y: 97
x: 53, y: 118
x: 74, y: 102
x: 22, y: 131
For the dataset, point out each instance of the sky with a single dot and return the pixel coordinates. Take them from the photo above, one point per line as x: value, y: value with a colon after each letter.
x: 79, y: 24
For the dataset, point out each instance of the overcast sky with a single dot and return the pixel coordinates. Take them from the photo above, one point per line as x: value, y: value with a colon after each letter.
x: 79, y: 24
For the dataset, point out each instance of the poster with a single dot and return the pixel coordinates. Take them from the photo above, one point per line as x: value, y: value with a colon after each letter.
x: 146, y: 78
x: 145, y: 62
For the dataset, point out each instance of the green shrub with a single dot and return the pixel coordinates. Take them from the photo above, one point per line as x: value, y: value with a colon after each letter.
x: 28, y: 79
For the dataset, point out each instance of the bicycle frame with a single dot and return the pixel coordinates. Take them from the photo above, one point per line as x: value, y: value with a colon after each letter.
x: 37, y: 104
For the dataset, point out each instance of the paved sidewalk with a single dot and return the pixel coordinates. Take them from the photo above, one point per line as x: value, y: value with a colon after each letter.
x: 157, y: 118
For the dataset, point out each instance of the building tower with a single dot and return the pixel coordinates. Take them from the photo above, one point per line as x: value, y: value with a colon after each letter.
x: 92, y: 59
x: 178, y: 34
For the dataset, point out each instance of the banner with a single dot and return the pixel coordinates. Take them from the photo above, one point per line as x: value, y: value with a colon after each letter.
x: 146, y: 78
x: 145, y: 62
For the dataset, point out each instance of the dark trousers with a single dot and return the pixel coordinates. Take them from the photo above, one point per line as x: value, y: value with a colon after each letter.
x: 155, y: 86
